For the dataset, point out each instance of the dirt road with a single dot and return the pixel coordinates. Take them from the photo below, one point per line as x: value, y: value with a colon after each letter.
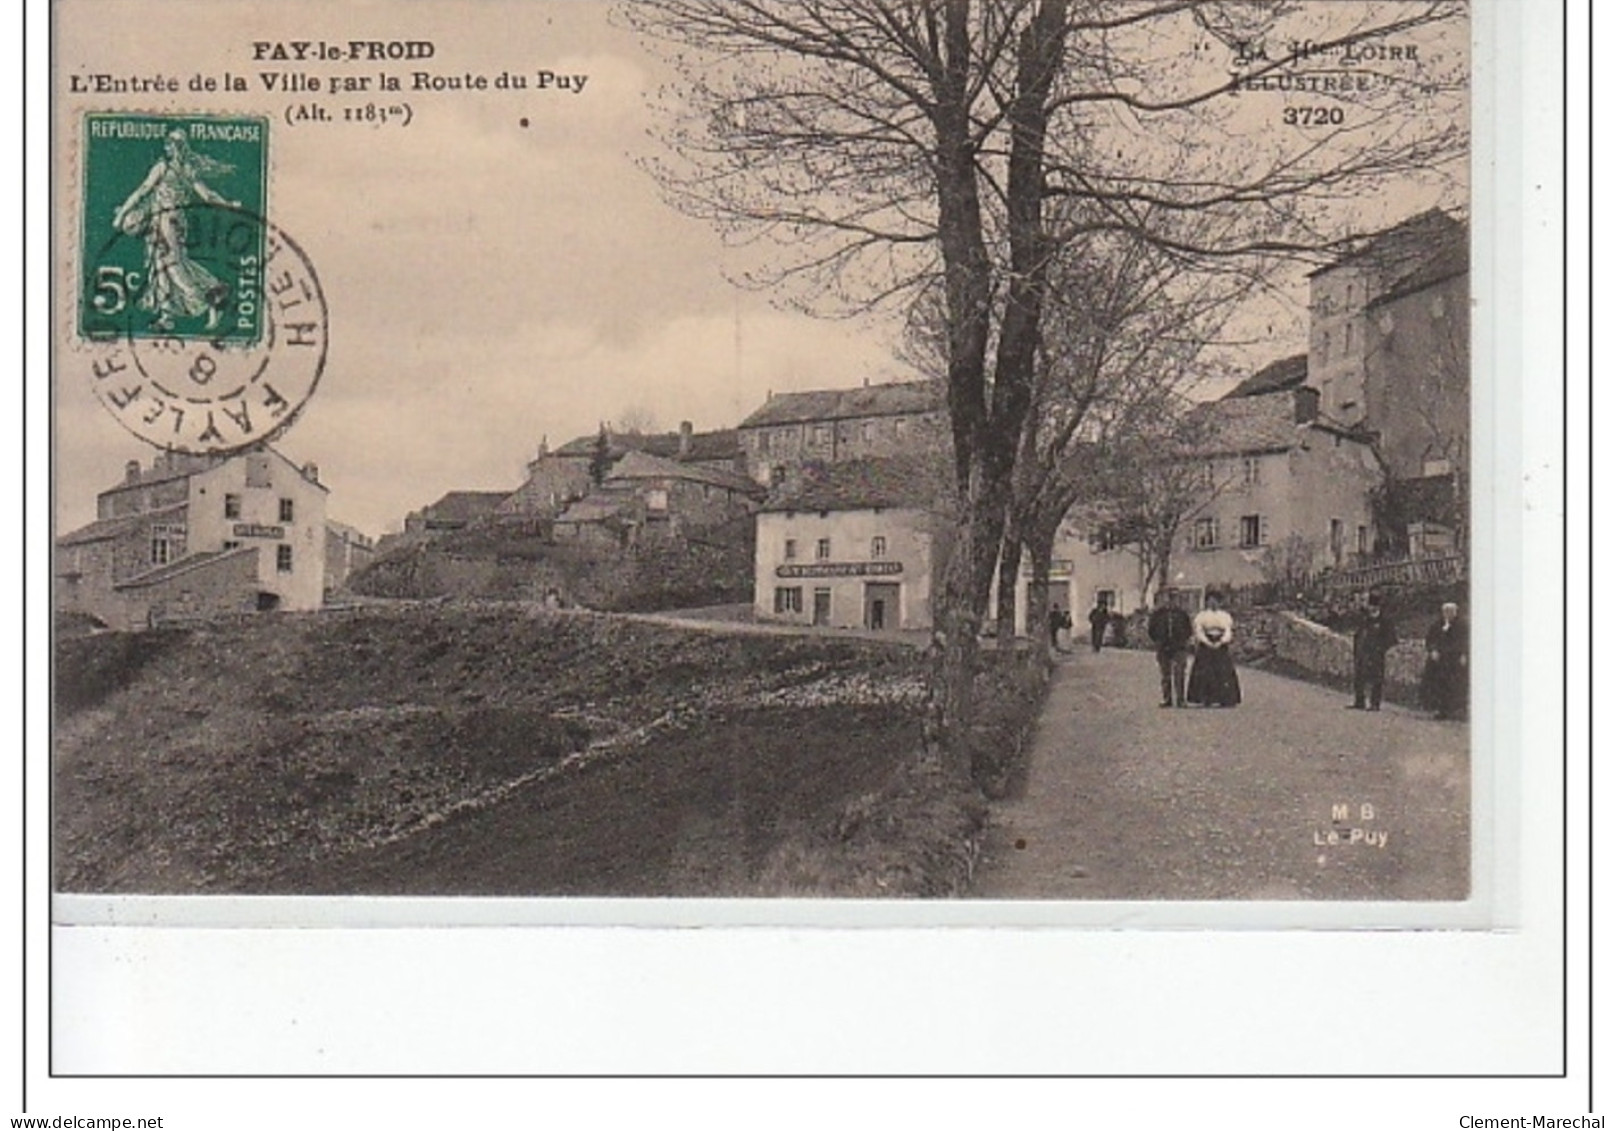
x: 1127, y: 800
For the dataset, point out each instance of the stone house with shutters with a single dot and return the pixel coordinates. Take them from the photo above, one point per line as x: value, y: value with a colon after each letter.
x: 850, y: 545
x: 827, y: 426
x: 1280, y: 478
x: 198, y: 536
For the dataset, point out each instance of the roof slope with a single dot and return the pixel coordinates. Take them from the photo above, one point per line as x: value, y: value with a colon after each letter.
x: 723, y: 444
x: 1399, y: 252
x: 896, y: 399
x: 861, y: 484
x: 1263, y: 422
x: 642, y: 465
x: 183, y: 565
x: 104, y: 528
x: 464, y: 506
x: 1285, y: 373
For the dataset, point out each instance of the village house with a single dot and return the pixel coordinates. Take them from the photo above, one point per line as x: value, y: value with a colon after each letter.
x: 1389, y: 343
x: 1278, y: 479
x: 347, y: 551
x: 197, y: 536
x: 849, y: 545
x: 826, y: 426
x: 558, y: 478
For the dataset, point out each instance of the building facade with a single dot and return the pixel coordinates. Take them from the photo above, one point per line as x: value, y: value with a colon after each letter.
x: 828, y: 426
x: 646, y: 496
x: 1284, y: 489
x: 196, y: 536
x: 849, y: 546
x: 347, y: 551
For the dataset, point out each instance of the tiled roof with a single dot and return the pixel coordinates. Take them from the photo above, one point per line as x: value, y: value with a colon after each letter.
x: 1285, y: 373
x: 860, y: 485
x: 1261, y: 423
x: 181, y: 566
x: 641, y: 465
x: 897, y: 399
x: 1447, y: 258
x: 104, y: 528
x: 1399, y: 252
x: 461, y: 507
x: 708, y: 447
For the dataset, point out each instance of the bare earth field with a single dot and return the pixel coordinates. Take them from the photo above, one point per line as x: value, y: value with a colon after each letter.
x: 492, y: 749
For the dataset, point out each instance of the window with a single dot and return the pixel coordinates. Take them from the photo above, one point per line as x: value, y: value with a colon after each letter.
x: 656, y: 499
x: 1362, y: 540
x: 1107, y: 537
x: 1253, y: 470
x: 788, y: 599
x: 283, y: 559
x: 1337, y: 540
x: 899, y: 428
x: 285, y: 510
x: 1348, y: 337
x: 161, y: 550
x: 790, y: 549
x: 869, y: 431
x: 877, y: 546
x: 1205, y: 533
x: 821, y: 433
x: 258, y: 470
x: 822, y: 550
x: 232, y: 545
x: 1250, y: 531
x: 232, y: 506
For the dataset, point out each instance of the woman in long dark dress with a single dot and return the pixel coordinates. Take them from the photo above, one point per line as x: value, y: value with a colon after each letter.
x: 1213, y: 681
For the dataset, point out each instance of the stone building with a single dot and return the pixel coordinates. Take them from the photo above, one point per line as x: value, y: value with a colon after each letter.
x: 197, y: 536
x: 850, y: 545
x: 827, y: 426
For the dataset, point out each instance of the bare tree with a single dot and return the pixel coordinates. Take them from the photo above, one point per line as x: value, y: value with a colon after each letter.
x: 876, y: 147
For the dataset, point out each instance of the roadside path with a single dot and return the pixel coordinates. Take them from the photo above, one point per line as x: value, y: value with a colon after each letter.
x: 1127, y: 800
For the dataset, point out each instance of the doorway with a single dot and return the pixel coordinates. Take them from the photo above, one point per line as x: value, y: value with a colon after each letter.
x: 821, y: 606
x: 880, y: 605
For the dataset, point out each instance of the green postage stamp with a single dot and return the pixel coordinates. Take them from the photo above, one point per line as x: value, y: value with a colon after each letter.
x: 173, y: 231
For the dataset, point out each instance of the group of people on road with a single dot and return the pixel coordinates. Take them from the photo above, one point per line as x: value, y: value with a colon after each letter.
x: 1444, y: 686
x: 1197, y: 667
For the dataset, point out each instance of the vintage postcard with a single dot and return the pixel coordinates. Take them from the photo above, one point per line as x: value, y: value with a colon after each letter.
x: 994, y: 463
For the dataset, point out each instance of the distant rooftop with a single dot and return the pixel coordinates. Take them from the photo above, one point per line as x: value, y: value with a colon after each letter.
x: 1408, y: 250
x: 860, y: 484
x: 896, y: 399
x: 1285, y: 373
x: 461, y: 507
x: 704, y: 447
x: 644, y: 465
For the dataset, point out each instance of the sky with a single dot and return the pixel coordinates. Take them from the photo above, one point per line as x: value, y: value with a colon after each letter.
x: 500, y: 271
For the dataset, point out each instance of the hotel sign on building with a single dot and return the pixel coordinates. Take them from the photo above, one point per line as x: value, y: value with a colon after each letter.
x: 840, y: 569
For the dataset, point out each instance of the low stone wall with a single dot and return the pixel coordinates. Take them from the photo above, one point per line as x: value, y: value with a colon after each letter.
x: 1312, y: 650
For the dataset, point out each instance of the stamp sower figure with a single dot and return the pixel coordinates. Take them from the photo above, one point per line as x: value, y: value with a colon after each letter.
x: 1171, y: 632
x: 1098, y: 620
x: 1213, y: 681
x: 1446, y: 664
x: 176, y: 285
x: 1370, y: 641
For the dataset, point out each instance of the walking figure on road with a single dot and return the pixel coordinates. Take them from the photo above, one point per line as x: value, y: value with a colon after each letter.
x: 1098, y: 620
x: 1058, y: 619
x: 1171, y: 631
x: 1446, y: 664
x: 1372, y: 639
x: 1213, y: 681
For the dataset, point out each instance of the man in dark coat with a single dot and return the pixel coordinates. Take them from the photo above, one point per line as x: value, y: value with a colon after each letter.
x: 1098, y: 621
x: 1374, y: 636
x: 1446, y: 664
x: 1057, y: 621
x: 1171, y: 632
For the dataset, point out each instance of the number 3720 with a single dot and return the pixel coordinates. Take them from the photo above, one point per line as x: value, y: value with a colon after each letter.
x: 1314, y: 116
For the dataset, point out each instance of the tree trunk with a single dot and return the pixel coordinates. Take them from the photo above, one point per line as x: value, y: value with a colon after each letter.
x: 1009, y: 572
x: 1041, y: 548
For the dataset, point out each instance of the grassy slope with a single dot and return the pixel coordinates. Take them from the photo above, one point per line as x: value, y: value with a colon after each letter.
x: 494, y: 749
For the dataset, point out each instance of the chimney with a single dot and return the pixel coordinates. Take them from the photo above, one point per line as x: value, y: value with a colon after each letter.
x: 1306, y: 404
x: 544, y: 445
x: 686, y: 430
x: 131, y: 471
x: 866, y: 382
x: 311, y: 471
